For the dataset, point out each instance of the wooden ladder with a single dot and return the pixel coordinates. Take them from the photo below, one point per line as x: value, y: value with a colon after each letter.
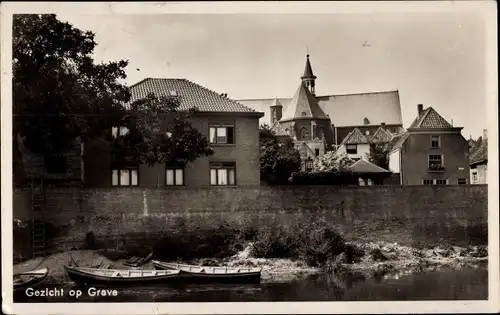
x: 38, y: 219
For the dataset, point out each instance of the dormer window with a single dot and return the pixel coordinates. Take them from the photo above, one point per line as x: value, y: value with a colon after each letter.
x: 173, y: 93
x: 304, y: 114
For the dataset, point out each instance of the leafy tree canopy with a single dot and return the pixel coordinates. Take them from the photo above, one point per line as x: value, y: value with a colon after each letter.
x: 278, y: 157
x: 60, y: 94
x: 379, y: 155
x: 333, y: 162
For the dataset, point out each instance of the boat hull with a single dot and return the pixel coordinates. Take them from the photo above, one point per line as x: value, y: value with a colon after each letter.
x: 31, y: 283
x: 91, y: 279
x: 197, y: 277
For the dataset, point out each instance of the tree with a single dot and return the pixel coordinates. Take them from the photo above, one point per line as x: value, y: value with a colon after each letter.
x: 278, y: 157
x: 160, y: 133
x: 379, y: 155
x: 333, y: 162
x: 59, y: 94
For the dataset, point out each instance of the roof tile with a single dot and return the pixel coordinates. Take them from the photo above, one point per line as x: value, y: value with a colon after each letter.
x: 191, y: 95
x: 480, y: 154
x: 430, y: 119
x: 364, y: 166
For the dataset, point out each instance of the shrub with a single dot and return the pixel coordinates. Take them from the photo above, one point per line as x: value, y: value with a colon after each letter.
x: 315, y: 241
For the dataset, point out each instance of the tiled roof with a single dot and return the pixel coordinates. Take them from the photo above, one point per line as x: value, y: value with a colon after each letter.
x: 398, y: 141
x: 355, y: 137
x: 381, y: 136
x: 278, y: 129
x: 364, y: 166
x: 347, y: 109
x: 303, y: 105
x: 480, y: 154
x: 430, y: 119
x: 190, y: 94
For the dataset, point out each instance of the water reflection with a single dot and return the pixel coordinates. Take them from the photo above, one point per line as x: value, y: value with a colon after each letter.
x: 463, y: 284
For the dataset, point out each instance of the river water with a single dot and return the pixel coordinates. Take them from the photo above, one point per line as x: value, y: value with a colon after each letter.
x: 462, y: 284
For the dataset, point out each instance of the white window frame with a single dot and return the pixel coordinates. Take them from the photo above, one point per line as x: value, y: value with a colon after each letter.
x: 216, y: 170
x: 430, y: 160
x: 175, y: 176
x: 118, y: 172
x: 228, y: 129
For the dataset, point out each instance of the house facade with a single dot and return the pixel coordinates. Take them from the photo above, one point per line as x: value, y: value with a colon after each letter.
x: 479, y: 161
x: 430, y: 152
x: 232, y: 129
x: 357, y: 145
x: 364, y: 111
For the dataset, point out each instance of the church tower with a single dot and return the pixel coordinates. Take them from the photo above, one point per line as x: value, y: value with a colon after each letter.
x: 309, y: 79
x: 276, y: 111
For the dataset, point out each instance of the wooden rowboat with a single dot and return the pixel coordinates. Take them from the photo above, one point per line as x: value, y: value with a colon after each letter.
x: 28, y: 279
x: 212, y: 274
x: 120, y: 276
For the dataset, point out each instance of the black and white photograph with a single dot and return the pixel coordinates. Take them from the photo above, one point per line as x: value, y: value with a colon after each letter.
x: 173, y: 154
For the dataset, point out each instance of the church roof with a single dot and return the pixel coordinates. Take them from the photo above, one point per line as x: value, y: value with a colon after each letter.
x: 345, y: 110
x: 430, y: 119
x: 308, y: 73
x: 303, y: 105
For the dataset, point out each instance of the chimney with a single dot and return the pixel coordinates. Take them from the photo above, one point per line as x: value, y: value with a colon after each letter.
x: 485, y: 134
x: 382, y: 124
x: 420, y: 109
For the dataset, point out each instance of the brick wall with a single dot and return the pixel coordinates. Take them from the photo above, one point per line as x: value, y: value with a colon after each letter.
x: 405, y: 214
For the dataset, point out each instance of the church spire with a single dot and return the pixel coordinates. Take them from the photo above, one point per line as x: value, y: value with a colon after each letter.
x: 309, y: 79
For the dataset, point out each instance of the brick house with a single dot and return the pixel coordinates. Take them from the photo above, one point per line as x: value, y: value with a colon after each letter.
x: 479, y: 161
x: 232, y: 128
x: 430, y: 152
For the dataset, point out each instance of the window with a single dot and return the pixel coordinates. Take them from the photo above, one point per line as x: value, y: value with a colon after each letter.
x: 435, y: 142
x: 119, y: 131
x: 222, y: 173
x: 124, y: 177
x: 370, y: 182
x: 361, y: 181
x: 462, y: 181
x: 435, y: 162
x: 351, y: 149
x: 174, y: 176
x: 316, y: 151
x: 474, y: 177
x: 428, y: 182
x: 441, y: 182
x: 222, y: 134
x: 309, y: 165
x: 304, y: 133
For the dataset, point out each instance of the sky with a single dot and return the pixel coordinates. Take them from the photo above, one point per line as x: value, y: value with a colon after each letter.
x: 435, y: 59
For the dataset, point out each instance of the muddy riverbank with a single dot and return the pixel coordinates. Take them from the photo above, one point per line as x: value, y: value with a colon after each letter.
x: 372, y: 260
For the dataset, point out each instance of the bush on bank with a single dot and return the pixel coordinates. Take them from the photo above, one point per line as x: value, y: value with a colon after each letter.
x: 314, y: 241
